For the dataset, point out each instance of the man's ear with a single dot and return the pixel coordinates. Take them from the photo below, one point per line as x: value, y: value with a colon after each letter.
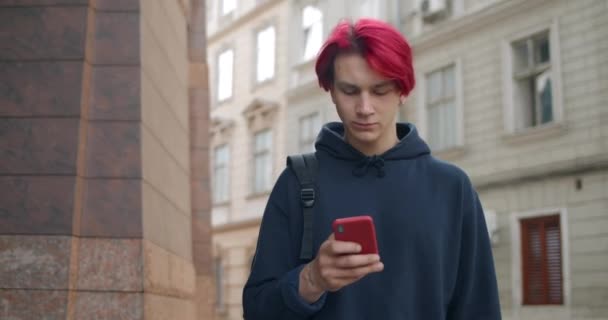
x: 402, y: 99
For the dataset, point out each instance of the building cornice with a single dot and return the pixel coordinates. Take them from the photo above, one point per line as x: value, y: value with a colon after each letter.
x: 471, y: 22
x: 259, y: 106
x: 241, y: 20
x: 545, y: 171
x: 220, y: 125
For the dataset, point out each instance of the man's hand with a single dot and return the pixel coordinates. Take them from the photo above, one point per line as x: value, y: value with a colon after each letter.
x: 336, y: 265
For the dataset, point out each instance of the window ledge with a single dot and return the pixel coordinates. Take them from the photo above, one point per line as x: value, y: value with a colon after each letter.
x: 555, y: 310
x: 450, y: 153
x: 546, y: 307
x: 535, y: 133
x: 264, y: 83
x: 258, y: 195
x: 221, y: 204
x: 220, y: 103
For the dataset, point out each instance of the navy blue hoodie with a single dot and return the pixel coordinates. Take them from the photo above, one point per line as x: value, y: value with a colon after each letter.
x: 430, y: 230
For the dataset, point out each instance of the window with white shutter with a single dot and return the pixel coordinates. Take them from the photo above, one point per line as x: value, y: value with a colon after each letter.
x: 542, y: 260
x: 441, y: 108
x: 309, y: 128
x: 262, y: 161
x: 221, y: 174
x: 532, y: 81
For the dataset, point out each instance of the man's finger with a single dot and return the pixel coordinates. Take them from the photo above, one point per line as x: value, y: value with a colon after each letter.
x: 344, y: 247
x: 354, y: 274
x: 356, y: 260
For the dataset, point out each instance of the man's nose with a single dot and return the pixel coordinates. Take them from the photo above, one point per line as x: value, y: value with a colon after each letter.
x: 365, y: 104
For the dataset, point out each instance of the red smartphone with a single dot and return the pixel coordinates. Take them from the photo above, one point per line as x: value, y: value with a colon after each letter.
x: 359, y: 229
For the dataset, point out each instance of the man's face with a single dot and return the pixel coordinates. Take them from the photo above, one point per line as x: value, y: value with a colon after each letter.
x: 366, y: 102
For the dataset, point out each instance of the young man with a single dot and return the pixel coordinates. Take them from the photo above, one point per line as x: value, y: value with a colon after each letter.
x: 435, y: 260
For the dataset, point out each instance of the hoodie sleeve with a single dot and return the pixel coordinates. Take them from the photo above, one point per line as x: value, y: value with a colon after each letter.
x: 271, y: 292
x: 475, y: 295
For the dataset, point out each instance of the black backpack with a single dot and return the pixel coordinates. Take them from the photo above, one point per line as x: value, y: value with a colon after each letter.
x: 305, y: 167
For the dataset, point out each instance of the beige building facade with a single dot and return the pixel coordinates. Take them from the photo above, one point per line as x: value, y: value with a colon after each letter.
x: 522, y: 108
x: 247, y: 43
x: 512, y: 91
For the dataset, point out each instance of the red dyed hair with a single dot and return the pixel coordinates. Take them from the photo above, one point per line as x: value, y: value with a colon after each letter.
x: 381, y: 45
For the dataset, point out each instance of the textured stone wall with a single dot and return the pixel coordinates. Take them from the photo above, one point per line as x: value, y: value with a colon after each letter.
x: 78, y: 141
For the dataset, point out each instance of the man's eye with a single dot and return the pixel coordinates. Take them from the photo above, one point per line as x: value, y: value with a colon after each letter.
x: 381, y: 92
x: 349, y: 91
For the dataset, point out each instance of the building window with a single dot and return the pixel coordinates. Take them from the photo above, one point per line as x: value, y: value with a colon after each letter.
x: 541, y: 240
x: 227, y: 6
x: 441, y: 108
x: 219, y: 283
x: 261, y: 115
x: 309, y: 128
x: 262, y: 155
x: 312, y: 26
x: 265, y: 54
x: 221, y: 174
x: 225, y: 73
x: 532, y: 81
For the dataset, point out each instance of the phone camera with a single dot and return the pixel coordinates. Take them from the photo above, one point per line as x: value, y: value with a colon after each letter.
x: 340, y: 228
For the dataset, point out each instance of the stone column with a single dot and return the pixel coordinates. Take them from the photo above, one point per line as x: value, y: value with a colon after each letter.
x: 199, y: 159
x: 93, y: 223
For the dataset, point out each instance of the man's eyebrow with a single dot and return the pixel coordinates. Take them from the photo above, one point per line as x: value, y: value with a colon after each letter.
x: 345, y: 84
x: 375, y: 86
x: 383, y: 84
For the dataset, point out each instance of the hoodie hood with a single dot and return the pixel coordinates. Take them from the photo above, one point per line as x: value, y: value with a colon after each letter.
x: 410, y: 145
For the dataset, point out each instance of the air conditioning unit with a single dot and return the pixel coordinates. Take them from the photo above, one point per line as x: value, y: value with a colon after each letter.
x: 433, y: 9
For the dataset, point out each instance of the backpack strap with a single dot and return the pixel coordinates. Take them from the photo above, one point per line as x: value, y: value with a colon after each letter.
x: 305, y: 167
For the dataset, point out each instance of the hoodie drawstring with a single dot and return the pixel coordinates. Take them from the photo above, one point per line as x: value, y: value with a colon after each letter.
x: 363, y: 166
